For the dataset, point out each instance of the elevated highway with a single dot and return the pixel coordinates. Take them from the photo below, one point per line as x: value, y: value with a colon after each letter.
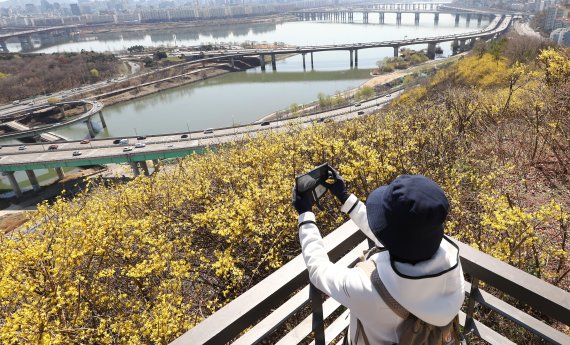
x: 156, y: 147
x: 23, y: 131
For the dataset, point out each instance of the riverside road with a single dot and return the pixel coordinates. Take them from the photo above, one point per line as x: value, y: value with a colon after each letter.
x: 38, y: 156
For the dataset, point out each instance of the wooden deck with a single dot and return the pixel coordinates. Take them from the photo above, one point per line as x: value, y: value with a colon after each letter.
x: 265, y: 313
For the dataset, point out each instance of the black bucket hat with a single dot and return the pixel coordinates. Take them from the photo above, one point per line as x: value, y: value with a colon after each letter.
x: 407, y: 217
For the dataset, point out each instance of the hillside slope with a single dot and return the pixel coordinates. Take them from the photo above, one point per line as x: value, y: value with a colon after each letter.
x: 142, y: 263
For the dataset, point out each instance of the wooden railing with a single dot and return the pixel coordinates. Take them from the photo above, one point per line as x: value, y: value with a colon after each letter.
x: 285, y: 308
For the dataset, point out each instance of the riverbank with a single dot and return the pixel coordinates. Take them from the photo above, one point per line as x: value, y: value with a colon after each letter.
x: 158, y: 86
x: 374, y: 82
x: 121, y: 28
x: 207, y: 71
x: 389, y: 77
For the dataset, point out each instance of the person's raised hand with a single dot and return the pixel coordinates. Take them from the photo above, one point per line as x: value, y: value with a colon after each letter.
x: 302, y: 201
x: 338, y: 187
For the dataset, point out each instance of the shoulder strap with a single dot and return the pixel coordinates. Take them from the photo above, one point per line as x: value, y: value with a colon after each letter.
x: 371, y: 251
x: 369, y: 267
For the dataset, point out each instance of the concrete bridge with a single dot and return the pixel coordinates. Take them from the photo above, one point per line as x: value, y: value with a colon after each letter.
x: 463, y: 41
x: 45, y: 35
x: 17, y: 126
x: 42, y: 133
x: 346, y: 14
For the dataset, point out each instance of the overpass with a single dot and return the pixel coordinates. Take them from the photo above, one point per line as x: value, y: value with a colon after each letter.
x: 25, y: 37
x: 23, y: 131
x: 17, y: 126
x: 157, y: 147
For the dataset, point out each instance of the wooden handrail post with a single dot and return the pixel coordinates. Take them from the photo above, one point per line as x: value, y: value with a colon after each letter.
x: 316, y: 297
x: 469, y: 325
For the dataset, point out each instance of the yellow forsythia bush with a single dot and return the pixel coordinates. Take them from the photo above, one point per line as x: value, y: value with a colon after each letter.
x: 143, y: 262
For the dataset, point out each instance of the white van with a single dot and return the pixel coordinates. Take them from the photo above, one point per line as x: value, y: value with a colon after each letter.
x: 123, y: 141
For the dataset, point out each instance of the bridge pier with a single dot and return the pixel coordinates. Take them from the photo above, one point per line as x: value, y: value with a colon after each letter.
x: 381, y: 19
x: 33, y: 180
x: 144, y: 167
x: 135, y: 167
x: 26, y: 42
x: 396, y: 49
x: 436, y: 18
x: 155, y: 165
x: 84, y: 107
x: 399, y: 18
x: 468, y: 19
x: 417, y: 18
x: 3, y: 47
x: 60, y: 173
x: 13, y: 183
x: 351, y: 62
x: 304, y: 67
x: 273, y: 62
x: 232, y: 63
x: 312, y: 65
x: 355, y: 57
x: 365, y: 17
x: 90, y: 128
x: 462, y: 45
x: 431, y: 50
x: 62, y: 111
x: 103, y: 123
x: 262, y: 61
x: 455, y: 46
x: 456, y: 19
x: 479, y: 18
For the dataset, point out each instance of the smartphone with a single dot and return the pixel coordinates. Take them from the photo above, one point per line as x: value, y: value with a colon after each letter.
x: 313, y: 181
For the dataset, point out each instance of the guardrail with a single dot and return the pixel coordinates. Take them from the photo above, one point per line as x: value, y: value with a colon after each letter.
x: 260, y: 314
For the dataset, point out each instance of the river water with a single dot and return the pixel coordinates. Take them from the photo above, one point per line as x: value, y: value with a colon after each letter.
x: 249, y: 95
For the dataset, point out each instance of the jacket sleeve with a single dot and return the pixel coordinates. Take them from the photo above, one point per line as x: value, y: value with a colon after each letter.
x: 357, y: 212
x: 339, y: 282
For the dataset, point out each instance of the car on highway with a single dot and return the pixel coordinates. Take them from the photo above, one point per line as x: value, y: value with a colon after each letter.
x: 361, y: 112
x: 388, y: 95
x: 170, y: 145
x: 76, y: 153
x: 22, y: 147
x: 265, y: 123
x: 184, y: 136
x: 357, y: 104
x: 85, y: 141
x: 52, y: 147
x: 16, y: 102
x: 208, y: 131
x: 139, y: 145
x: 127, y: 148
x: 141, y: 137
x: 116, y: 141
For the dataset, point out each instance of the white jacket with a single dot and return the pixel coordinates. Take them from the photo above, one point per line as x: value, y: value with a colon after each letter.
x: 433, y: 290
